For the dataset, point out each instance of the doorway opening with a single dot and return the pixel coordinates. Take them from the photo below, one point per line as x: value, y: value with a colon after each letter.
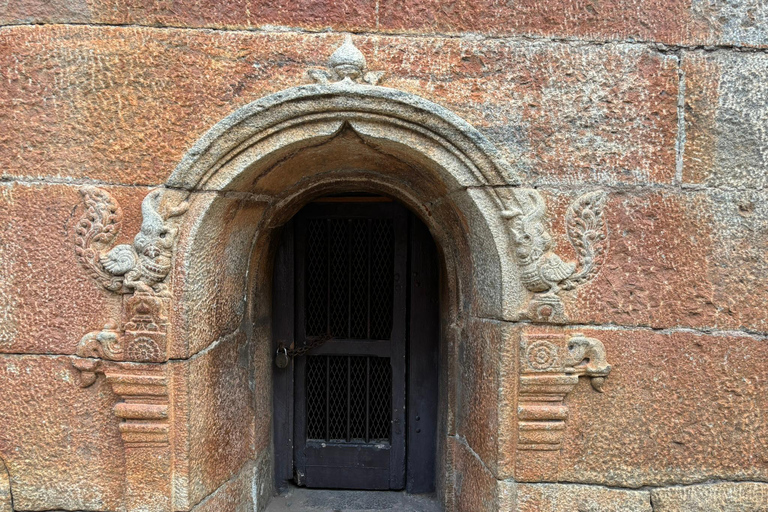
x: 356, y: 305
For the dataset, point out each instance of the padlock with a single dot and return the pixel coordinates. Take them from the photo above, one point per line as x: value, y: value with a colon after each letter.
x: 281, y: 357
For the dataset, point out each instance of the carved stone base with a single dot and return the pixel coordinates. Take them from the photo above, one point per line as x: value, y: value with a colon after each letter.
x: 550, y: 366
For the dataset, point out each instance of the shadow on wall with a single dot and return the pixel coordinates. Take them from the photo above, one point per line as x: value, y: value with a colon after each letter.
x: 6, y: 499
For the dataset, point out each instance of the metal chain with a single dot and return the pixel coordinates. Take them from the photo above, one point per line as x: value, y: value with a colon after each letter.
x: 283, y: 355
x: 311, y: 344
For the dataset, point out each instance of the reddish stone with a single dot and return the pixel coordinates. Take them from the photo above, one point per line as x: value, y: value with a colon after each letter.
x: 657, y: 20
x: 60, y: 443
x: 48, y: 301
x: 215, y: 416
x: 243, y: 14
x: 678, y: 407
x: 690, y: 259
x: 124, y: 104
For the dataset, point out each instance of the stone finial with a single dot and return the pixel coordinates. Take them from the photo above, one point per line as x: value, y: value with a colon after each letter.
x: 346, y: 64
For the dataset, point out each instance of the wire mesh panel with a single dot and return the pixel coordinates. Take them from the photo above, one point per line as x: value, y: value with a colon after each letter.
x: 349, y: 398
x: 349, y: 278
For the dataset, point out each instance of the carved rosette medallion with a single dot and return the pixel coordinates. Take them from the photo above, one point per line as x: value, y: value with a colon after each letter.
x: 550, y: 367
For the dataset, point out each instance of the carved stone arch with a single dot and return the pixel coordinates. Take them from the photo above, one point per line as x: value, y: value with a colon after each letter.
x: 442, y: 163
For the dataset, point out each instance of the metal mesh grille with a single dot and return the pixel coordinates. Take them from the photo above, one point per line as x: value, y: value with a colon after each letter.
x: 349, y: 398
x: 349, y: 278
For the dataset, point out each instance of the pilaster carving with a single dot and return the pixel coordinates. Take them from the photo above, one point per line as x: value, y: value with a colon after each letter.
x: 550, y: 367
x: 543, y: 272
x: 346, y: 64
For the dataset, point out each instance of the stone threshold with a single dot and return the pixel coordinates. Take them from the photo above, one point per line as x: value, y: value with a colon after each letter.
x: 296, y: 499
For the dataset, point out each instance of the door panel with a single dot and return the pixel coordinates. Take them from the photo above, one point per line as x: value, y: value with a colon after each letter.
x: 349, y: 420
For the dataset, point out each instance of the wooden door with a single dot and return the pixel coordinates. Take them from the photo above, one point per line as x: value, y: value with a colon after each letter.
x: 349, y: 394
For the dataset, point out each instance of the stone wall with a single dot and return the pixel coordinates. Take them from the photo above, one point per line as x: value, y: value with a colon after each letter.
x: 662, y: 104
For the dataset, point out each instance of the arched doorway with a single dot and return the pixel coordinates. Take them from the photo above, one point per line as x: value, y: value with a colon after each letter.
x: 244, y: 182
x: 358, y: 411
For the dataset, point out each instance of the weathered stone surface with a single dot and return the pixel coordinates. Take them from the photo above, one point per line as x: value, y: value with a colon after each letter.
x: 678, y: 407
x: 579, y: 498
x: 726, y: 119
x: 243, y: 14
x: 475, y: 487
x: 742, y: 23
x: 47, y: 300
x: 124, y: 104
x: 667, y: 21
x: 213, y: 289
x: 60, y: 443
x: 217, y: 415
x: 479, y: 390
x: 252, y: 483
x: 691, y: 259
x: 6, y: 502
x: 659, y: 20
x: 723, y: 497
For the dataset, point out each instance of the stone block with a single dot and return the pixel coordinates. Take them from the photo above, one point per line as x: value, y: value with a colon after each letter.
x: 475, y: 487
x: 60, y: 443
x: 210, y: 274
x: 215, y: 416
x: 726, y: 115
x: 675, y: 259
x: 723, y: 497
x: 122, y: 105
x: 47, y: 300
x: 579, y: 498
x: 729, y: 23
x: 659, y: 20
x: 559, y: 113
x: 678, y: 407
x: 235, y: 14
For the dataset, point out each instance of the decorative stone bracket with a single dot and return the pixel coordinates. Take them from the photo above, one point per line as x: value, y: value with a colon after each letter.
x: 550, y: 367
x: 542, y: 271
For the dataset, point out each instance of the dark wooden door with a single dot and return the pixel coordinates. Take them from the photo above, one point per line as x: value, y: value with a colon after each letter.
x: 349, y: 394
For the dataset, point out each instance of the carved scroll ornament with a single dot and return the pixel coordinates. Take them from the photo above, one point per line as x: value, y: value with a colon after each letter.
x: 543, y: 272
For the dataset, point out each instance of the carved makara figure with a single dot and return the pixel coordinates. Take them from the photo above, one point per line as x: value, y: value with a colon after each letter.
x: 586, y: 356
x: 542, y: 270
x: 142, y: 266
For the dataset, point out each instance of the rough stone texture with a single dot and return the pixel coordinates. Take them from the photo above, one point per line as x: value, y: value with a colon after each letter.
x: 6, y: 500
x: 298, y: 499
x: 667, y: 21
x: 47, y: 301
x: 723, y: 497
x: 726, y: 119
x: 678, y: 407
x: 475, y: 487
x: 218, y: 416
x: 248, y: 491
x: 58, y: 440
x: 214, y: 302
x: 579, y: 498
x: 124, y: 104
x: 675, y: 258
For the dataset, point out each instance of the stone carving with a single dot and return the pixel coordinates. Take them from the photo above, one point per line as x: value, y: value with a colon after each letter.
x: 551, y: 364
x: 586, y: 356
x: 144, y: 406
x: 141, y: 339
x: 543, y: 272
x: 142, y: 266
x: 346, y: 64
